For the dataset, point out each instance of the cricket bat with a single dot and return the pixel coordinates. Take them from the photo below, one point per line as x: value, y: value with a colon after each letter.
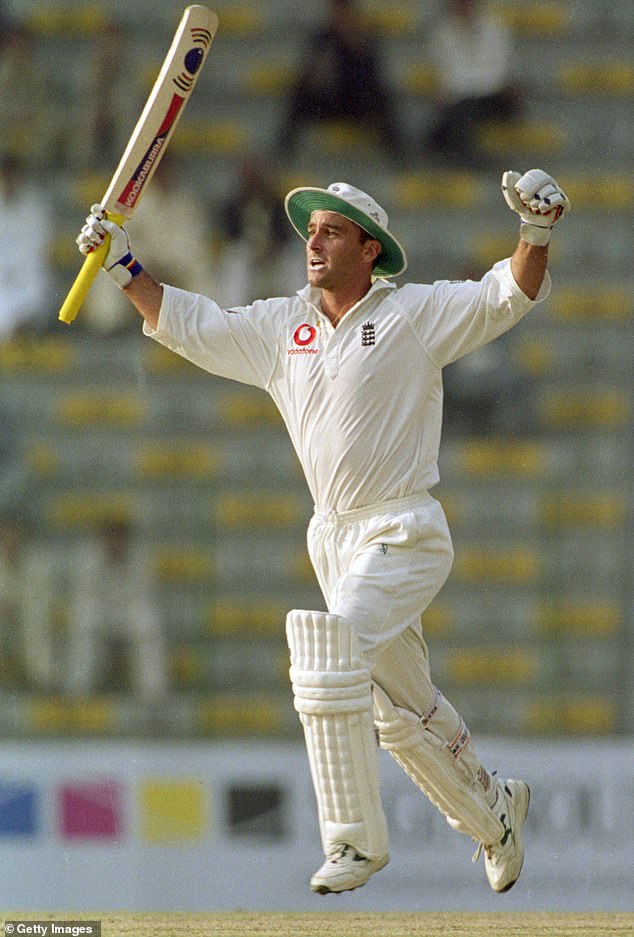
x: 150, y: 137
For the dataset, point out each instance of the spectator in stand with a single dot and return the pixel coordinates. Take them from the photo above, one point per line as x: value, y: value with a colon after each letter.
x: 256, y: 254
x: 24, y: 251
x: 26, y: 606
x: 341, y: 76
x: 472, y: 54
x: 112, y: 603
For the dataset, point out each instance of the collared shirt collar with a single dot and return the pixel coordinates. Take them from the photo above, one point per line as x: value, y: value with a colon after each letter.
x: 312, y: 295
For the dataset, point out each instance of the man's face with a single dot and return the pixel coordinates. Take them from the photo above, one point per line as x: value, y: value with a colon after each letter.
x: 335, y: 255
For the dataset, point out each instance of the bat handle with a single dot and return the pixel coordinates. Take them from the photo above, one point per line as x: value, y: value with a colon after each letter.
x: 92, y: 264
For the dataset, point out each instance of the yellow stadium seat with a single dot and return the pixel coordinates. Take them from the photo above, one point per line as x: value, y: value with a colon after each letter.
x: 241, y: 21
x: 420, y: 78
x: 610, y: 192
x: 268, y: 77
x: 302, y: 567
x: 453, y: 505
x: 413, y: 191
x: 597, y: 78
x: 192, y: 460
x: 246, y: 617
x: 99, y: 408
x: 89, y: 509
x: 37, y: 355
x: 89, y: 187
x: 499, y: 666
x: 227, y: 137
x: 391, y: 20
x: 186, y: 667
x: 257, y: 509
x: 613, y: 303
x: 521, y: 137
x: 585, y: 509
x: 486, y: 249
x: 86, y: 19
x: 243, y: 408
x: 483, y: 458
x: 551, y: 18
x: 516, y: 565
x: 534, y: 355
x: 438, y: 620
x: 580, y: 715
x: 339, y: 135
x: 86, y: 716
x: 588, y: 619
x: 184, y: 564
x: 42, y: 459
x: 160, y: 360
x: 585, y: 409
x: 240, y: 715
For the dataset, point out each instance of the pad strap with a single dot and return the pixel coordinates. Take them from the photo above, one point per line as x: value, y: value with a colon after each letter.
x: 437, y: 754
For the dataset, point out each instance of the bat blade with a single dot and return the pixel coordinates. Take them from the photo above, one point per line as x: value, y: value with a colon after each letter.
x: 153, y: 131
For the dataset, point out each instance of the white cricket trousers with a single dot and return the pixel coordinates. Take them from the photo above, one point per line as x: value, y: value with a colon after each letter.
x: 380, y: 567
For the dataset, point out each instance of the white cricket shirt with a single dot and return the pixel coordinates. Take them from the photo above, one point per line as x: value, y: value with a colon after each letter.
x: 362, y: 402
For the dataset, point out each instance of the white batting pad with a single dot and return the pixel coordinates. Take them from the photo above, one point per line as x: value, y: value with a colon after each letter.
x: 333, y: 698
x: 437, y: 754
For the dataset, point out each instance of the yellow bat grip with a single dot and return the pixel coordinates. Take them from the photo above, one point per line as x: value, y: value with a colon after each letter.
x: 79, y: 289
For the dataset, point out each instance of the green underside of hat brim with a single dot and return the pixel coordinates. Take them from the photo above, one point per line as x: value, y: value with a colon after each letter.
x: 302, y: 204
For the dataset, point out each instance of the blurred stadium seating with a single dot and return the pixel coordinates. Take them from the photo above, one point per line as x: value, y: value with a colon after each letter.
x: 533, y: 634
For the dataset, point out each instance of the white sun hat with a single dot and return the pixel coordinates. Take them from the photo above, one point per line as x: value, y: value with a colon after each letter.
x: 355, y: 205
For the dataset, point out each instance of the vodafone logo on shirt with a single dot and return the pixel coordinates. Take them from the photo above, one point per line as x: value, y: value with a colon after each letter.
x: 303, y: 341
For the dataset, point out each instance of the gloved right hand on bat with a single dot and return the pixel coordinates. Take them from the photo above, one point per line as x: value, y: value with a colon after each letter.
x: 538, y: 200
x: 119, y: 261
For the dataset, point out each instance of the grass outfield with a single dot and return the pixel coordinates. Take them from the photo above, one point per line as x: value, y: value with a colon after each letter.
x: 243, y: 924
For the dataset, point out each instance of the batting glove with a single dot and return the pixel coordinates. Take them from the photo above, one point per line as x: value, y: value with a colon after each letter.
x: 538, y: 200
x: 118, y: 262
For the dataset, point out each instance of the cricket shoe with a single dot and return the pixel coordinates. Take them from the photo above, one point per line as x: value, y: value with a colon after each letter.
x: 345, y: 869
x: 503, y: 860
